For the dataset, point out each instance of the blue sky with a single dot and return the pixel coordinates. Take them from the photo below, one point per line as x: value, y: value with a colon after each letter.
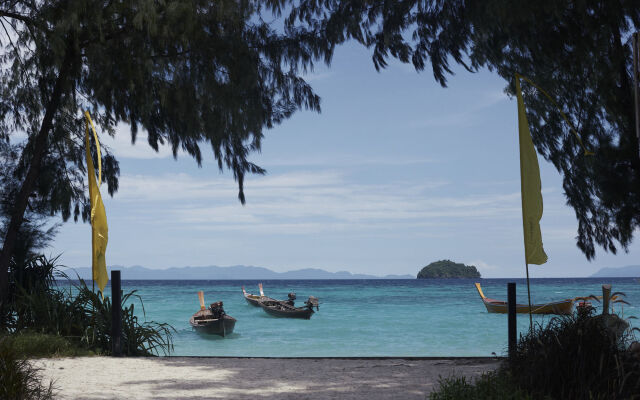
x: 396, y: 172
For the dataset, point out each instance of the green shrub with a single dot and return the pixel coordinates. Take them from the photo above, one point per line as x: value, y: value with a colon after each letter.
x: 577, y: 357
x: 580, y: 356
x: 138, y: 339
x: 33, y: 345
x: 53, y: 312
x: 18, y: 379
x: 496, y: 385
x: 33, y: 276
x: 80, y: 315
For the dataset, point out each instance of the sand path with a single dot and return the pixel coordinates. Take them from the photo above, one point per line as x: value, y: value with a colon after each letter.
x: 95, y: 378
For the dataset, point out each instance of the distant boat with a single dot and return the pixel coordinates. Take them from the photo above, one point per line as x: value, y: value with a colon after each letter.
x: 213, y: 320
x: 563, y: 307
x: 254, y: 299
x: 286, y: 309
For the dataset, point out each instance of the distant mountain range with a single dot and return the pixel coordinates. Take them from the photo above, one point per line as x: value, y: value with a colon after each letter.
x: 620, y: 272
x: 234, y: 272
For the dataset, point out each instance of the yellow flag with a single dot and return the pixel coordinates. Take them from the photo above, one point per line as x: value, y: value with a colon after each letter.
x: 99, y: 228
x: 530, y: 188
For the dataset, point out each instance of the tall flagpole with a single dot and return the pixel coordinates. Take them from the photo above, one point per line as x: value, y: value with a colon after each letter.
x: 93, y: 277
x: 529, y: 297
x: 635, y: 85
x: 93, y: 234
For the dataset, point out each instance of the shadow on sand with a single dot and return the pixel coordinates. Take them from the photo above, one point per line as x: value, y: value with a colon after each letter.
x: 278, y: 378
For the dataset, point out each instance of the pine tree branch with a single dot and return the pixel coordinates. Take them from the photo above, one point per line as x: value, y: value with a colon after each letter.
x: 20, y: 17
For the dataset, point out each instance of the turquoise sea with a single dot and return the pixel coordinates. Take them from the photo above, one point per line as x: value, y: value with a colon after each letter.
x: 362, y: 317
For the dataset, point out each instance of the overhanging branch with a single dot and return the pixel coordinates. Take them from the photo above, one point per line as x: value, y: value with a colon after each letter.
x: 20, y: 17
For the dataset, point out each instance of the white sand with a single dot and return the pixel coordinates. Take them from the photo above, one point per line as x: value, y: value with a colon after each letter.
x: 246, y: 378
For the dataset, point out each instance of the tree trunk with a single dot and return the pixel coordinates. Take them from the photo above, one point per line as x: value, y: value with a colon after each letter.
x: 22, y: 199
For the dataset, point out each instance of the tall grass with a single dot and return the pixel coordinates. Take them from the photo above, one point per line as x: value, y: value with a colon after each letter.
x: 577, y: 357
x: 495, y: 385
x: 18, y: 379
x: 81, y: 315
x: 138, y: 338
x: 35, y: 275
x: 38, y: 345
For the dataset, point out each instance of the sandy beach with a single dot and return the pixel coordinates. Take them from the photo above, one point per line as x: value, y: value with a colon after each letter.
x: 242, y: 378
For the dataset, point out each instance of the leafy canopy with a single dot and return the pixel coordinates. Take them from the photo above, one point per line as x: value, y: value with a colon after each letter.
x: 579, y: 51
x: 216, y: 73
x: 34, y: 233
x: 191, y: 73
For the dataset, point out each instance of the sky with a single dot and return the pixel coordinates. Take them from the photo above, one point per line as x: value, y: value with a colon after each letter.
x: 395, y: 172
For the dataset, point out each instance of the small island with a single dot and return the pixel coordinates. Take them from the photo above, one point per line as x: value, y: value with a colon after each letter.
x: 445, y: 269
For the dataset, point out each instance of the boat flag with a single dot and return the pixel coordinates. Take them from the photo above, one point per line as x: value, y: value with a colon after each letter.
x: 530, y: 187
x: 99, y: 228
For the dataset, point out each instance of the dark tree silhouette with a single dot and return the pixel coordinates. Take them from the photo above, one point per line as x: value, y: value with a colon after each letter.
x: 215, y: 73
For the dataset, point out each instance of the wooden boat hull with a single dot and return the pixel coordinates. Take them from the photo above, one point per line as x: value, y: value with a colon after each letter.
x: 221, y: 326
x: 559, y: 308
x: 283, y: 310
x: 254, y: 299
x: 563, y: 307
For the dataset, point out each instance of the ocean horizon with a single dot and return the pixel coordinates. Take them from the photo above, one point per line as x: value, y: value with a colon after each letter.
x: 251, y: 272
x: 361, y: 317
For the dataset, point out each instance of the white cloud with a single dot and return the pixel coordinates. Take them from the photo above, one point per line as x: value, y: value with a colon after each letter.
x: 170, y: 187
x: 307, y: 202
x: 317, y: 76
x: 122, y: 147
x: 560, y: 234
x: 467, y: 116
x: 483, y: 266
x: 344, y: 160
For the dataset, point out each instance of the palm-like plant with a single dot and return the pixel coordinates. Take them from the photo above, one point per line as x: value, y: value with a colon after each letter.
x: 138, y: 339
x: 80, y: 314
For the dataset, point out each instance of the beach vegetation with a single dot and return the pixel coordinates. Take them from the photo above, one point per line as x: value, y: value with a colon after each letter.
x: 19, y: 380
x: 42, y: 345
x: 581, y: 356
x: 80, y: 317
x: 448, y: 269
x: 494, y: 385
x: 27, y: 269
x: 139, y: 338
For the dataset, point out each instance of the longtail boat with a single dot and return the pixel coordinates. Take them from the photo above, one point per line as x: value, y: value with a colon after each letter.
x: 212, y: 320
x: 287, y: 309
x: 254, y: 299
x: 562, y: 307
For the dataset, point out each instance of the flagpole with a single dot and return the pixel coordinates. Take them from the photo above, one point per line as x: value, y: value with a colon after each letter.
x: 93, y: 233
x: 93, y: 277
x: 635, y: 85
x: 529, y: 297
